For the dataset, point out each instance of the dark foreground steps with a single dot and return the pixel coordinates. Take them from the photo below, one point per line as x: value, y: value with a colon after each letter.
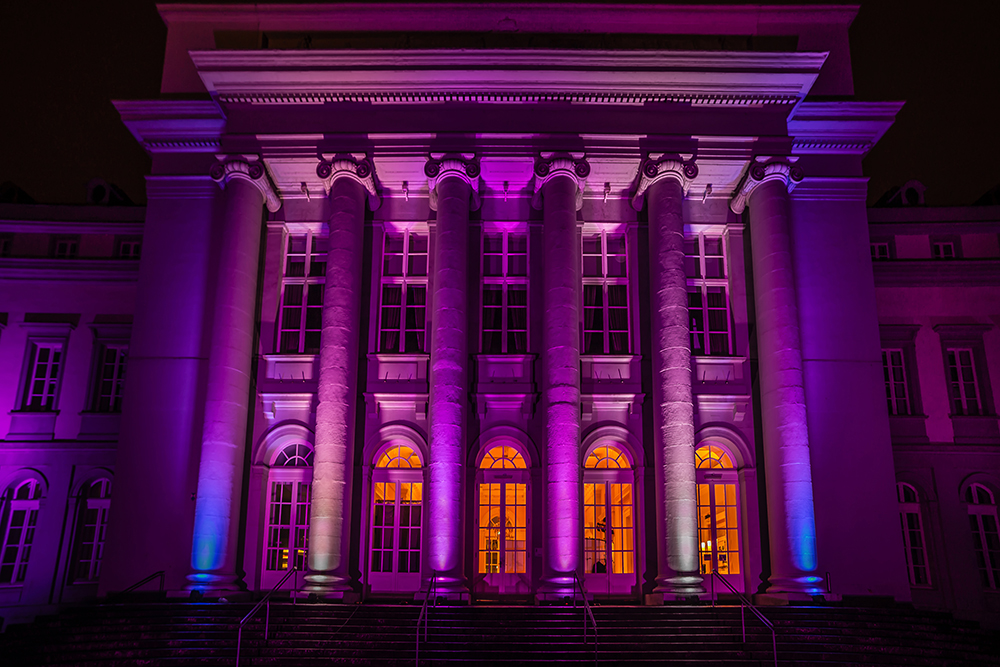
x: 115, y: 635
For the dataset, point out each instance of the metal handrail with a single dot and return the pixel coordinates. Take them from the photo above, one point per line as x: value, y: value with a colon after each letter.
x: 744, y: 604
x: 265, y: 601
x: 425, y: 614
x: 587, y: 612
x: 161, y: 574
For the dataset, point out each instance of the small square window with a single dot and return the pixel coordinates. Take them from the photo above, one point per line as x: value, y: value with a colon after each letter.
x: 880, y: 251
x: 943, y: 250
x: 129, y: 249
x: 65, y: 247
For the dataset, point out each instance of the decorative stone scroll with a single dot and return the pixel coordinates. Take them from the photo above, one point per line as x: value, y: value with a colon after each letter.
x: 762, y: 170
x: 656, y: 168
x: 546, y: 170
x: 463, y: 167
x: 249, y: 168
x: 358, y: 169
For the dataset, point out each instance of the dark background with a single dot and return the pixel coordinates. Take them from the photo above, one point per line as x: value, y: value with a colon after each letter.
x: 63, y: 63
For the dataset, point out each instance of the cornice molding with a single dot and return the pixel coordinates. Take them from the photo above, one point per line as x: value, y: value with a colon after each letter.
x: 70, y: 227
x: 764, y: 169
x: 840, y: 127
x: 655, y: 168
x: 464, y: 168
x: 166, y: 126
x: 361, y: 170
x: 502, y: 76
x: 250, y: 169
x: 70, y: 270
x: 546, y: 170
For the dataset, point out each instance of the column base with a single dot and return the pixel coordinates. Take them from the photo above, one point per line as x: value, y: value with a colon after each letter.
x: 786, y: 598
x: 327, y: 586
x: 558, y: 587
x: 208, y: 583
x: 808, y: 585
x: 680, y: 587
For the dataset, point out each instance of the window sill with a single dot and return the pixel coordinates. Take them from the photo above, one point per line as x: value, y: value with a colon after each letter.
x: 32, y: 425
x: 908, y: 429
x: 290, y: 367
x: 976, y: 430
x: 406, y: 367
x: 614, y: 367
x: 99, y: 425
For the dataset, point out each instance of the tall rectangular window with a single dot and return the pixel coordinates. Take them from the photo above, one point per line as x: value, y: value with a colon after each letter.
x: 110, y: 378
x: 708, y: 297
x: 605, y: 294
x: 962, y: 382
x: 505, y: 292
x: 894, y: 372
x: 913, y: 535
x: 403, y: 302
x: 301, y: 319
x: 42, y: 382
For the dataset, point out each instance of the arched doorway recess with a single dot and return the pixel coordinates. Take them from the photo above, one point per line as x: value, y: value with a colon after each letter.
x: 502, y: 493
x: 608, y: 522
x: 396, y: 520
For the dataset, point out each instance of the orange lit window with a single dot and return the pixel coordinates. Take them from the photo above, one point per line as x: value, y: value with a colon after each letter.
x: 399, y: 456
x: 503, y: 457
x: 711, y: 456
x: 607, y: 457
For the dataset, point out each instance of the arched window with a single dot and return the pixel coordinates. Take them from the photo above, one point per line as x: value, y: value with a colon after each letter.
x: 20, y: 519
x: 718, y: 512
x: 503, y: 457
x: 91, y: 524
x: 707, y: 457
x: 608, y: 521
x: 913, y: 534
x: 396, y: 519
x: 502, y: 521
x: 985, y: 540
x: 289, y: 485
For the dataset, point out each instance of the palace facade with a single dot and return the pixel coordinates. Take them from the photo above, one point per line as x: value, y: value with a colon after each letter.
x: 510, y: 299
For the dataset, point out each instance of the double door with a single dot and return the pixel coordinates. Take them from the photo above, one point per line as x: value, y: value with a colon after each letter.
x: 718, y: 526
x: 502, y: 534
x: 396, y: 527
x: 608, y: 533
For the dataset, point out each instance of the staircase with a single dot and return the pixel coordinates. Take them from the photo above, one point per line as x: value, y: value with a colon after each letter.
x: 115, y: 635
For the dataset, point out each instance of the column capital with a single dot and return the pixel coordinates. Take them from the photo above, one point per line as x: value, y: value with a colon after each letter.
x: 561, y: 165
x: 360, y: 170
x: 464, y: 167
x: 763, y: 169
x: 249, y: 168
x: 656, y: 168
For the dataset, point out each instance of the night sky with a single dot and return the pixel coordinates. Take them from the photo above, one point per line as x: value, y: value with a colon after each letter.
x: 64, y: 61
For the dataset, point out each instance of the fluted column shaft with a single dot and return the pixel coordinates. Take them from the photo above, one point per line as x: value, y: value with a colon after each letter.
x: 673, y: 415
x: 333, y: 462
x: 448, y: 382
x: 561, y: 390
x: 790, y: 514
x: 213, y: 554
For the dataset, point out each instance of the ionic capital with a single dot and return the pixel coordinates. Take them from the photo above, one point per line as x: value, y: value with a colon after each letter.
x: 546, y: 170
x: 655, y: 169
x: 250, y: 169
x: 762, y: 170
x: 359, y: 170
x: 462, y: 167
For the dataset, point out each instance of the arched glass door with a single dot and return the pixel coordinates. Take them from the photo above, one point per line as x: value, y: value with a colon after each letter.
x: 288, y: 492
x: 608, y: 522
x: 396, y: 521
x: 502, y: 526
x: 718, y: 514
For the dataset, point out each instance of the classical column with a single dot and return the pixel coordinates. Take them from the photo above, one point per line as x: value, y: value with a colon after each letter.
x: 227, y: 389
x: 559, y: 193
x: 791, y: 522
x: 348, y: 182
x: 453, y: 192
x: 662, y: 183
